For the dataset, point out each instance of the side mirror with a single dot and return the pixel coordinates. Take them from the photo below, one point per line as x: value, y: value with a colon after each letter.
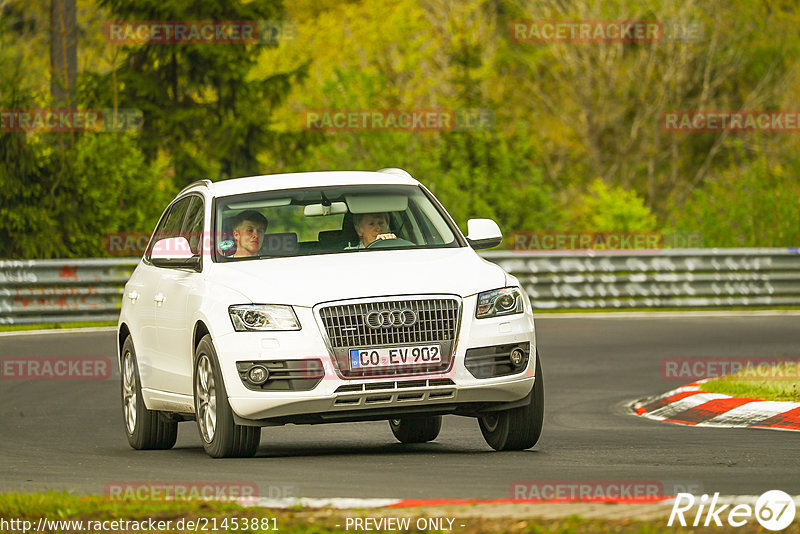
x: 174, y: 252
x: 483, y: 233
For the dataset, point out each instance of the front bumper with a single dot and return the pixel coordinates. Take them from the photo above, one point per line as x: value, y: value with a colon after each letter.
x: 336, y: 398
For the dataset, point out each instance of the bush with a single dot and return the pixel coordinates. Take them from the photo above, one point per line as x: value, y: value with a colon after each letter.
x: 611, y: 209
x: 755, y: 205
x: 60, y: 203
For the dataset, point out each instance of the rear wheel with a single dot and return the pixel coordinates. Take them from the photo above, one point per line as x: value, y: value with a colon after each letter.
x: 145, y: 429
x: 519, y: 428
x: 221, y: 436
x: 417, y: 429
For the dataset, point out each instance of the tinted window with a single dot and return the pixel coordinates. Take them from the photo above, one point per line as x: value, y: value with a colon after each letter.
x: 174, y: 221
x: 193, y: 225
x: 170, y: 224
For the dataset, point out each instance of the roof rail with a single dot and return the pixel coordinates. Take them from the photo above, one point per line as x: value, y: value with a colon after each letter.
x: 396, y: 171
x: 205, y: 183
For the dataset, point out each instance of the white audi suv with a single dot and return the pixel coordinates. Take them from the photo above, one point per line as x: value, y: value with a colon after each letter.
x: 323, y: 297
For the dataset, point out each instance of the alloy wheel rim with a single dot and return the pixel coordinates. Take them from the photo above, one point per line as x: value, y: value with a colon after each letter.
x: 206, y: 390
x: 490, y: 422
x: 129, y: 392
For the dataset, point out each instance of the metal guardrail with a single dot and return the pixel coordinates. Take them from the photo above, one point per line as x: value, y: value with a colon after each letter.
x: 54, y: 291
x: 59, y: 291
x: 656, y: 279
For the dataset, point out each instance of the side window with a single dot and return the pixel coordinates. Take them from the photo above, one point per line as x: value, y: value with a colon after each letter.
x: 170, y: 225
x: 174, y: 221
x: 193, y: 226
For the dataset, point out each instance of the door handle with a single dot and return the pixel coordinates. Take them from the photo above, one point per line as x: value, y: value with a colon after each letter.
x: 159, y: 298
x: 133, y: 295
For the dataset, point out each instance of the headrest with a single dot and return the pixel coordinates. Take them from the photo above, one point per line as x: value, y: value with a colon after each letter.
x: 280, y: 244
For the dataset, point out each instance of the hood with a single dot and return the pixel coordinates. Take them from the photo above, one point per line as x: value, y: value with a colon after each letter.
x: 309, y: 280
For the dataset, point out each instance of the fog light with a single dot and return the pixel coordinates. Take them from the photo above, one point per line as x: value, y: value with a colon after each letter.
x: 258, y: 374
x: 516, y: 357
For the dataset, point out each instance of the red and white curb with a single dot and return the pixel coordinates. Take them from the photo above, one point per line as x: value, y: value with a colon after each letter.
x: 690, y: 405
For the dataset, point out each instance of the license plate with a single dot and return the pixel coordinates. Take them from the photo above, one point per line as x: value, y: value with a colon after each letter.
x: 394, y: 356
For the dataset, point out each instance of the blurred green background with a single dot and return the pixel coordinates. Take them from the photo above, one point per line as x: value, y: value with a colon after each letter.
x: 576, y: 143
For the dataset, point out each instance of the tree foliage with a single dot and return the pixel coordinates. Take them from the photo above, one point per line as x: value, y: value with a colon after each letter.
x: 201, y: 105
x: 610, y: 209
x: 747, y: 205
x: 60, y: 200
x: 575, y: 144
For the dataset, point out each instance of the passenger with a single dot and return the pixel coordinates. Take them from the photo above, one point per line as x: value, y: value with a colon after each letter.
x: 248, y: 233
x: 371, y: 227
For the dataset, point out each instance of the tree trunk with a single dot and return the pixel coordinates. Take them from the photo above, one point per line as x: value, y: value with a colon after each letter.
x: 63, y: 52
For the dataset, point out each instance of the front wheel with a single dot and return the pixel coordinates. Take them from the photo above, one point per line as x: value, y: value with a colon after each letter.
x: 519, y: 428
x: 145, y: 429
x: 416, y: 429
x: 221, y: 436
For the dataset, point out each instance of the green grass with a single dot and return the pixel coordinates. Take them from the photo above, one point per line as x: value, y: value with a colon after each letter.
x: 64, y: 506
x: 53, y: 326
x: 780, y: 383
x: 57, y: 505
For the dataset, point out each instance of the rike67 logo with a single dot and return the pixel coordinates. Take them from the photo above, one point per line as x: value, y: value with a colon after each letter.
x: 774, y: 510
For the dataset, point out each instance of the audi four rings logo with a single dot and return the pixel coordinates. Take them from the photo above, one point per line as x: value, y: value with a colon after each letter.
x: 389, y: 318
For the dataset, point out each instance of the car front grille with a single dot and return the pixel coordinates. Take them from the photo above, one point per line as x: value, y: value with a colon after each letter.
x: 346, y: 327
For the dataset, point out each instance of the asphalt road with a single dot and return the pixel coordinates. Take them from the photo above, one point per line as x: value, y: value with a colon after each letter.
x: 68, y: 435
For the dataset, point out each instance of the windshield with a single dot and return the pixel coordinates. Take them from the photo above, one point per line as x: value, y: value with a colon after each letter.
x: 328, y: 220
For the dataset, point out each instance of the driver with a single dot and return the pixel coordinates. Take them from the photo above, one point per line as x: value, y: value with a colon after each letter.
x: 371, y: 227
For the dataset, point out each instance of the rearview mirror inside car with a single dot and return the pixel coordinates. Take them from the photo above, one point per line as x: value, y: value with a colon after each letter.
x: 318, y: 210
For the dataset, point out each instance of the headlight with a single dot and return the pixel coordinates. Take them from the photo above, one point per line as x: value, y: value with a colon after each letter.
x: 261, y: 317
x: 498, y: 302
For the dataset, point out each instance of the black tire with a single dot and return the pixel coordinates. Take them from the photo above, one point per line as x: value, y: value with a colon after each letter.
x: 416, y: 429
x: 221, y: 436
x: 519, y: 428
x: 145, y: 429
